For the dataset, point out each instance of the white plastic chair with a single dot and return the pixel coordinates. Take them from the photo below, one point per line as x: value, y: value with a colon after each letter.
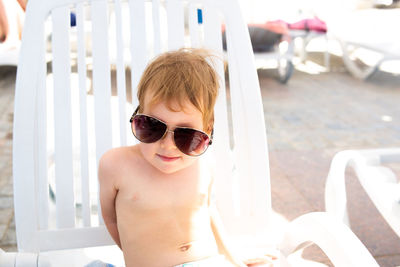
x: 62, y: 150
x: 368, y: 34
x: 378, y: 181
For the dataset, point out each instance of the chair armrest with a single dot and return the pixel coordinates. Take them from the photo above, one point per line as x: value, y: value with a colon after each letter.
x: 7, y: 259
x: 335, y: 187
x: 21, y: 259
x: 335, y: 239
x: 361, y: 161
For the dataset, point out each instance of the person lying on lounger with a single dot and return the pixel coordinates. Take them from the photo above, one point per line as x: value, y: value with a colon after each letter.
x: 12, y: 14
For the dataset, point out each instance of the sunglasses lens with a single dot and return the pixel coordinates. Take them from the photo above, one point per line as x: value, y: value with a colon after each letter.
x: 148, y: 129
x: 190, y: 141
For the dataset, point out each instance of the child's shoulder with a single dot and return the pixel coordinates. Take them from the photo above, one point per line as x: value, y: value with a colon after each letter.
x: 119, y: 158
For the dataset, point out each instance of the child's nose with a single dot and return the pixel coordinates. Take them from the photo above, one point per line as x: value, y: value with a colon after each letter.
x: 168, y: 141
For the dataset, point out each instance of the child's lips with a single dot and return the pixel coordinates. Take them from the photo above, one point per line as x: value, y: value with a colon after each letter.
x: 167, y: 158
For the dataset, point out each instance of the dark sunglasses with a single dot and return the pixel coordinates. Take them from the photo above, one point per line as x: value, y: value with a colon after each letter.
x: 189, y: 141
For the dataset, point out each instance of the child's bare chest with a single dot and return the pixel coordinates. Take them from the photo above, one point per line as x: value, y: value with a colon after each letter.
x: 186, y: 191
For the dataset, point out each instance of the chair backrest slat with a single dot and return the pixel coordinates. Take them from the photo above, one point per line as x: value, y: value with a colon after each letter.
x: 62, y: 118
x: 138, y: 44
x: 24, y: 163
x: 250, y: 124
x: 194, y: 25
x: 121, y: 85
x: 212, y: 29
x: 101, y: 82
x: 239, y: 156
x: 175, y: 24
x: 84, y: 154
x: 42, y: 159
x: 156, y: 27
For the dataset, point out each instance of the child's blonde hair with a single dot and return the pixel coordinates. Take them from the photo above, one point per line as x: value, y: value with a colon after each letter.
x: 178, y: 76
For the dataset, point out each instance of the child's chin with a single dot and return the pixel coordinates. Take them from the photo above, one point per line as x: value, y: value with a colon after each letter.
x: 172, y: 168
x: 168, y: 169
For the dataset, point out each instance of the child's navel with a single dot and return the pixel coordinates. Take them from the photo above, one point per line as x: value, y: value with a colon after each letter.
x: 196, y: 243
x: 184, y: 247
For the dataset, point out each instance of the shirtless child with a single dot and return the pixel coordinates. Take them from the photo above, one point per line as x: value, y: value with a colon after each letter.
x: 155, y: 198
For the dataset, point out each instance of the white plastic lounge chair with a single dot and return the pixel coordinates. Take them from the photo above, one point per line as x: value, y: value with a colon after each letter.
x: 369, y: 34
x: 379, y: 181
x: 63, y: 149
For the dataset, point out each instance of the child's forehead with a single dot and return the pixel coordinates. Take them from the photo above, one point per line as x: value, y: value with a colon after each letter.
x: 186, y: 108
x: 174, y: 105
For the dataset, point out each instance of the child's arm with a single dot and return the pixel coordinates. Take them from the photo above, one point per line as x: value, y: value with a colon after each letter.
x: 220, y: 236
x: 223, y: 244
x: 108, y: 192
x: 219, y: 231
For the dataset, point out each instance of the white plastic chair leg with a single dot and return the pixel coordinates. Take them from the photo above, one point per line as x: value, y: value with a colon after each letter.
x: 354, y: 69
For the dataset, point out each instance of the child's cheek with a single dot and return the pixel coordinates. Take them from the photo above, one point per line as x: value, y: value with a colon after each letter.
x: 148, y: 150
x: 188, y: 161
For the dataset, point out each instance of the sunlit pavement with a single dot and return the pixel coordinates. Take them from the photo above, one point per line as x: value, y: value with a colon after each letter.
x: 308, y: 120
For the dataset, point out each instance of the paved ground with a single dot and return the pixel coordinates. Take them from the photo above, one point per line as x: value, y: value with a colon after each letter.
x: 309, y: 120
x: 7, y: 228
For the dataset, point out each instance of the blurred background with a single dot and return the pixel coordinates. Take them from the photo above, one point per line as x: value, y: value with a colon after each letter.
x: 330, y: 81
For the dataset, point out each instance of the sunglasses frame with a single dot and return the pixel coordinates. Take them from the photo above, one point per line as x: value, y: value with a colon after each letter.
x: 210, y: 137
